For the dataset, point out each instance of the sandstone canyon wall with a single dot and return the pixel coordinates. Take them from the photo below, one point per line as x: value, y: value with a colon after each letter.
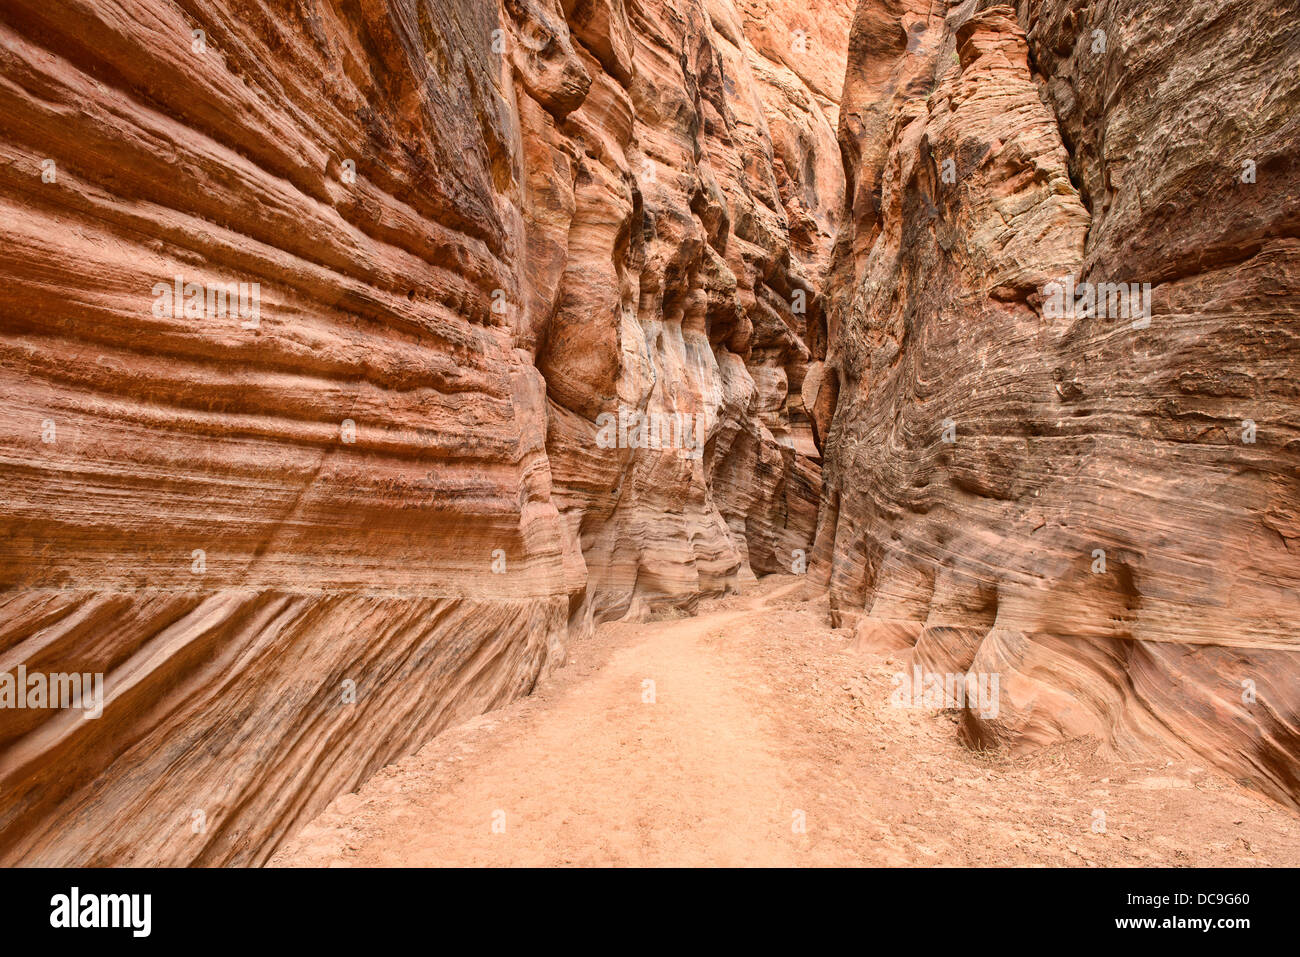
x: 1103, y: 509
x: 489, y: 240
x: 299, y: 539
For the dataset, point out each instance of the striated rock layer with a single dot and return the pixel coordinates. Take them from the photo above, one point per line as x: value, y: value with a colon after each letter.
x: 1103, y: 511
x: 300, y: 537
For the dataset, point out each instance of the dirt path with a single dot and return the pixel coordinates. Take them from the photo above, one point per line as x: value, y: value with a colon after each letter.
x: 764, y: 740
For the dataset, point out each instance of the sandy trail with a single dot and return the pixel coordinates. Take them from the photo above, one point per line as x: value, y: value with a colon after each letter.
x: 768, y: 742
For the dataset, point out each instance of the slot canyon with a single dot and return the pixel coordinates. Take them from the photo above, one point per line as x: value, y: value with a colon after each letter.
x: 573, y: 432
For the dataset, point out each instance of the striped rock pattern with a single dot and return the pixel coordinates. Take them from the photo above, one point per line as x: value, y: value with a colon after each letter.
x: 1102, y: 509
x: 301, y: 537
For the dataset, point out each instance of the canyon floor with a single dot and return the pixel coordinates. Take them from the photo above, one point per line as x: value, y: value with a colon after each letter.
x: 761, y: 710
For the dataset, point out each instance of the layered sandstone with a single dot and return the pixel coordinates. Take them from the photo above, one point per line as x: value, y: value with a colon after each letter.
x: 301, y: 540
x: 1102, y: 510
x: 298, y: 543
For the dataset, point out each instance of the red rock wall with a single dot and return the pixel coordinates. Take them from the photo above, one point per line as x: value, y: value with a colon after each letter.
x: 1105, y: 142
x: 474, y: 230
x: 298, y: 548
x: 674, y: 263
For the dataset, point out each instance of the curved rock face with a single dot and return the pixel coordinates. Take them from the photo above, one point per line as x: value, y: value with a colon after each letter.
x: 1098, y: 507
x: 354, y: 358
x: 679, y: 223
x: 357, y: 358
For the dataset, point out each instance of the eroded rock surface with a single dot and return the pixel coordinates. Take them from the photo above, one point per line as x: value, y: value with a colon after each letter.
x: 298, y: 540
x: 1102, y: 510
x: 301, y: 527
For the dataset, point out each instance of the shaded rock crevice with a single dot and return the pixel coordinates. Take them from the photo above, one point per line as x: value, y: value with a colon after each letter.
x: 1108, y: 483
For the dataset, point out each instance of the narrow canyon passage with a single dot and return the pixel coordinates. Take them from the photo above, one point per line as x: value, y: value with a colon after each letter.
x: 363, y: 364
x: 767, y: 739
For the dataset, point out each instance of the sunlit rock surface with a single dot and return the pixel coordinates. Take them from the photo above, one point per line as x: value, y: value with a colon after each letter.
x: 301, y: 538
